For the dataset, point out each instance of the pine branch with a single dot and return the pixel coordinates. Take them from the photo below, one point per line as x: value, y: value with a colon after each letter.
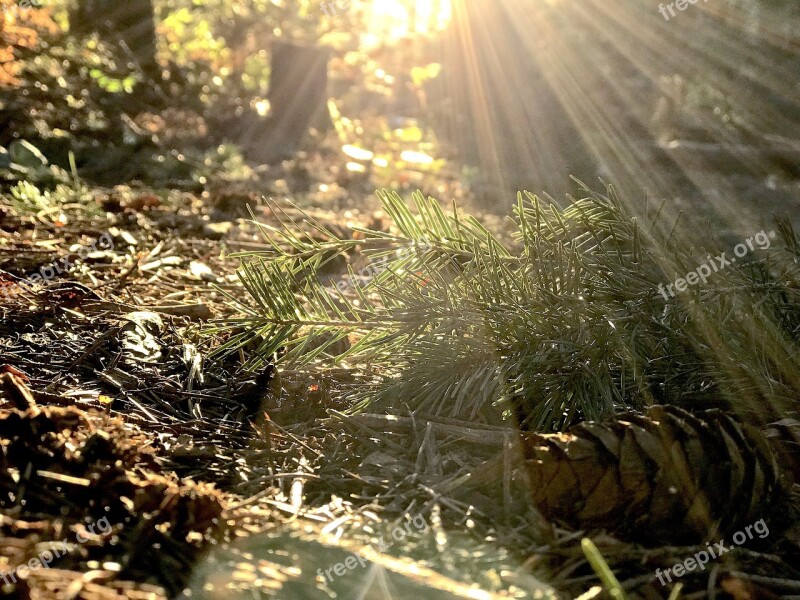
x: 567, y: 325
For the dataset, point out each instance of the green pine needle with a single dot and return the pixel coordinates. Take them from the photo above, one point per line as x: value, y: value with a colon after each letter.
x: 565, y: 323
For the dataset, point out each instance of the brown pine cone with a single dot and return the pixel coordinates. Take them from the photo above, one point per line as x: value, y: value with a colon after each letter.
x: 666, y: 476
x: 784, y: 436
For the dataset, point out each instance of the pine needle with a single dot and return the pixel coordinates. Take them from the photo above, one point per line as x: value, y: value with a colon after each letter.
x: 567, y: 323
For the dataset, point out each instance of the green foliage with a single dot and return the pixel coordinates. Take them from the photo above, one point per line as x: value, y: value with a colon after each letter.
x: 565, y: 324
x: 72, y: 90
x: 189, y: 36
x: 27, y: 198
x: 233, y: 37
x: 226, y: 162
x: 114, y: 85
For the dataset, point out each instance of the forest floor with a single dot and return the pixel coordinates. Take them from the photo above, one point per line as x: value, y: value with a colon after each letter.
x: 134, y: 466
x: 187, y: 461
x: 166, y: 473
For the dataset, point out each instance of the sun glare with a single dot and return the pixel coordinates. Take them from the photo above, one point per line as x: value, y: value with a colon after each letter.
x: 396, y: 19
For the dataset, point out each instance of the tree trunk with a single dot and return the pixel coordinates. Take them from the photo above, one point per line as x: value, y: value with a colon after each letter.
x: 129, y: 24
x: 298, y: 94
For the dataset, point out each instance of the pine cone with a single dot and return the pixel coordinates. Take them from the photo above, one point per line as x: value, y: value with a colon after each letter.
x: 667, y: 476
x: 784, y: 436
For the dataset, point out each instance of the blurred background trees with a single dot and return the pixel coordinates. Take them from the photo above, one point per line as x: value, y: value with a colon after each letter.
x: 491, y: 95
